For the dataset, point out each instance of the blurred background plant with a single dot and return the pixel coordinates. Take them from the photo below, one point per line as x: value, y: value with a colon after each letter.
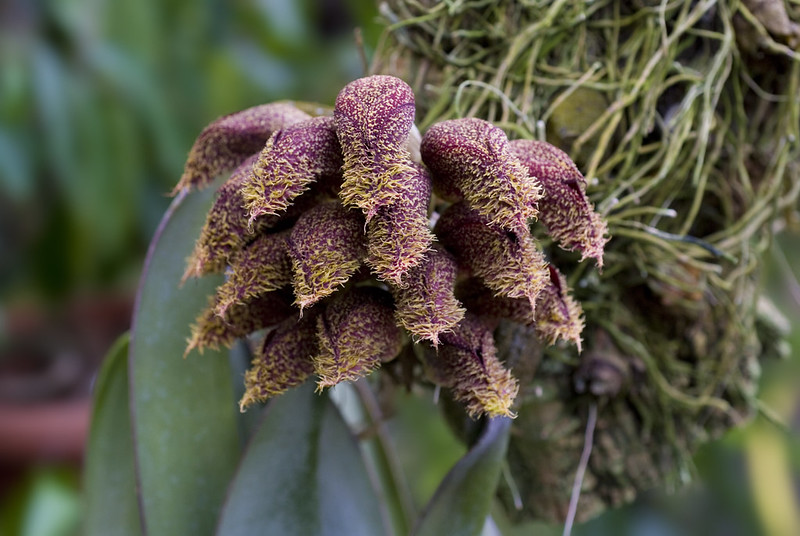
x: 99, y: 104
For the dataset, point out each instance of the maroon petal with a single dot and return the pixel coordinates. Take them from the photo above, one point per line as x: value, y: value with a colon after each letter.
x: 426, y: 306
x: 564, y: 209
x: 228, y: 141
x: 398, y: 236
x: 326, y: 247
x: 283, y: 360
x: 293, y: 158
x: 467, y: 364
x: 261, y: 267
x: 374, y: 116
x: 212, y: 331
x: 356, y: 333
x: 509, y: 264
x: 470, y: 159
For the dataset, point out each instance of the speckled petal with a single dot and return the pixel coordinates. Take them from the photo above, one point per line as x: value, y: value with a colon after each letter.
x: 564, y: 209
x: 283, y: 360
x: 326, y: 247
x: 426, y: 306
x: 374, y: 116
x: 470, y: 158
x: 509, y: 264
x: 398, y: 236
x: 467, y: 364
x: 228, y: 141
x: 261, y: 267
x: 226, y: 230
x: 212, y: 331
x: 356, y: 333
x: 557, y: 316
x: 292, y: 159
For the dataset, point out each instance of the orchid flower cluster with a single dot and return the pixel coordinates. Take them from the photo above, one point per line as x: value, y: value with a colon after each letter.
x: 351, y: 239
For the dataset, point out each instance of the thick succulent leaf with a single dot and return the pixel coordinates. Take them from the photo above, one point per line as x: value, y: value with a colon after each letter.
x: 184, y: 411
x: 460, y: 505
x: 110, y: 478
x: 302, y: 474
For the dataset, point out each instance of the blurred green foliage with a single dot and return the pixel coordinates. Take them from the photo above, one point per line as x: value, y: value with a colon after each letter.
x: 100, y: 101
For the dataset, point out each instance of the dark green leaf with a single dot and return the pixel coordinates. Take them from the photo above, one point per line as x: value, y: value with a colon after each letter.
x: 463, y: 500
x: 110, y: 480
x: 184, y: 410
x: 302, y: 474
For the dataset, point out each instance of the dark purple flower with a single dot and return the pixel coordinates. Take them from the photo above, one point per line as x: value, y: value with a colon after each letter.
x: 228, y: 141
x: 261, y: 267
x: 283, y: 360
x: 564, y: 209
x: 470, y: 159
x: 374, y: 116
x: 508, y: 263
x: 293, y: 158
x: 356, y: 333
x: 326, y: 247
x: 398, y: 236
x: 467, y: 363
x: 426, y: 306
x: 212, y: 331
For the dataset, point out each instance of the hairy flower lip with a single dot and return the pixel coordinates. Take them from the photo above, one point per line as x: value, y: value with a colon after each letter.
x: 292, y: 159
x: 231, y: 139
x: 326, y: 246
x: 509, y: 264
x: 565, y: 209
x: 471, y: 159
x: 356, y: 332
x: 283, y: 359
x: 467, y: 363
x: 374, y: 117
x: 426, y: 307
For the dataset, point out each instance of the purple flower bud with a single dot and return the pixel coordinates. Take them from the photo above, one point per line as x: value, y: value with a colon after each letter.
x: 228, y: 141
x: 374, y: 116
x: 398, y: 236
x: 283, y: 360
x: 467, y: 364
x: 226, y: 230
x: 212, y: 331
x: 261, y: 267
x: 326, y: 246
x: 557, y: 315
x: 508, y: 263
x: 426, y: 306
x: 470, y: 159
x: 293, y: 158
x: 356, y: 333
x: 564, y: 209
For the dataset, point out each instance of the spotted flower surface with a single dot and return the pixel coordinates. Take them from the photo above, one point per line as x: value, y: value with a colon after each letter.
x: 229, y: 140
x: 326, y: 248
x: 398, y: 236
x: 427, y: 307
x: 467, y: 363
x: 261, y: 267
x: 356, y: 332
x: 282, y: 360
x: 293, y: 158
x: 471, y: 159
x: 565, y: 209
x: 374, y: 117
x: 509, y: 264
x: 334, y: 266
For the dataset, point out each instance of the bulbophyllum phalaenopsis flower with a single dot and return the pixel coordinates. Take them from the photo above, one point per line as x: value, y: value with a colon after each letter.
x: 341, y: 250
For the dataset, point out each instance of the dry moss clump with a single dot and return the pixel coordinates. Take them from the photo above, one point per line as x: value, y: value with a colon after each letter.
x: 684, y: 118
